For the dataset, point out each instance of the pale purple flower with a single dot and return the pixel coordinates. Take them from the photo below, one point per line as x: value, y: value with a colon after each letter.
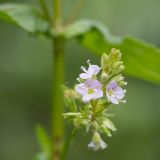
x: 97, y: 142
x: 93, y: 70
x: 114, y: 93
x: 90, y: 89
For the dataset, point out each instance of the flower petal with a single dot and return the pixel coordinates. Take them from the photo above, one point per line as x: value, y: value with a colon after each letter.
x: 119, y: 93
x: 81, y: 88
x: 94, y: 69
x: 94, y: 83
x: 85, y: 76
x: 112, y: 85
x: 86, y: 98
x: 112, y: 98
x: 93, y: 146
x: 103, y: 145
x: 97, y: 94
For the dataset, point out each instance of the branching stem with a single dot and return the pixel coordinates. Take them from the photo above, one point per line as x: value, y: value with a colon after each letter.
x: 45, y: 9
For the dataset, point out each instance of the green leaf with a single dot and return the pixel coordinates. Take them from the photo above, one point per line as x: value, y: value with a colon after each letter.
x: 41, y: 156
x: 44, y: 141
x: 142, y: 60
x: 25, y: 17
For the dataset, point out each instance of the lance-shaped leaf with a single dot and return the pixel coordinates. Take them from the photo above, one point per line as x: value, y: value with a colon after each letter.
x: 44, y: 141
x: 25, y: 17
x: 142, y: 60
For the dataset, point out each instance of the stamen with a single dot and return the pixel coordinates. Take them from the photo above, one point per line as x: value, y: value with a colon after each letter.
x: 78, y: 79
x: 83, y: 69
x: 88, y: 61
x: 124, y: 101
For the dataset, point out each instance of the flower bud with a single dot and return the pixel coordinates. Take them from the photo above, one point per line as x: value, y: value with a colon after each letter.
x: 117, y: 65
x: 77, y: 122
x: 115, y: 54
x: 122, y: 83
x: 109, y: 124
x: 104, y: 62
x: 118, y: 78
x: 104, y: 77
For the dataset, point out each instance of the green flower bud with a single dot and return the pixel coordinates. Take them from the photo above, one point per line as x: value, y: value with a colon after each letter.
x: 115, y: 54
x: 117, y: 65
x: 122, y: 83
x: 95, y: 125
x: 77, y: 122
x: 118, y: 78
x: 104, y: 62
x: 104, y: 77
x: 109, y: 124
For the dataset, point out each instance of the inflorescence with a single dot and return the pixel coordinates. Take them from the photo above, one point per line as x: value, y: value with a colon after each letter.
x: 89, y: 101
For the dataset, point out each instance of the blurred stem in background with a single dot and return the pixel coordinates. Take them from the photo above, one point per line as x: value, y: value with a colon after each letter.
x: 74, y: 11
x: 58, y: 78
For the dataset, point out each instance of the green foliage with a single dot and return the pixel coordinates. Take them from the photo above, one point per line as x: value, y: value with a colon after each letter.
x: 25, y: 17
x: 44, y: 143
x: 141, y: 59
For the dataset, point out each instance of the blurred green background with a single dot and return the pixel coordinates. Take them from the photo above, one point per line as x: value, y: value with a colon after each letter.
x: 26, y: 77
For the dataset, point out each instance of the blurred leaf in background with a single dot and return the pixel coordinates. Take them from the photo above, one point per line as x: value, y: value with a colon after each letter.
x: 24, y: 16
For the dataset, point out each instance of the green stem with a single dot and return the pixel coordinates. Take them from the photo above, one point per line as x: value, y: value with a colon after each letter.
x: 94, y: 105
x: 57, y: 118
x: 45, y: 9
x: 57, y: 13
x: 58, y: 106
x: 67, y: 144
x: 75, y: 10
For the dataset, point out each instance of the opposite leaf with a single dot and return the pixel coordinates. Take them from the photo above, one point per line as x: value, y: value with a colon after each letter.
x: 25, y: 17
x: 141, y: 59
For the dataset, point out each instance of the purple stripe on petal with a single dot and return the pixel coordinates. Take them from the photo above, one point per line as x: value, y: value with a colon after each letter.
x: 112, y: 85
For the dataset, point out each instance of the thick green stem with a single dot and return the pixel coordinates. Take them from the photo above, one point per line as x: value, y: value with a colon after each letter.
x: 57, y: 118
x: 58, y: 106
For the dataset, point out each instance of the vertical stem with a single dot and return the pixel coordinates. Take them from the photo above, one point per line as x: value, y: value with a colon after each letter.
x: 57, y: 119
x: 57, y: 13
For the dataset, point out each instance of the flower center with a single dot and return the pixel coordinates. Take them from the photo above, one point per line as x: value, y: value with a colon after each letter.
x: 90, y: 91
x: 110, y: 92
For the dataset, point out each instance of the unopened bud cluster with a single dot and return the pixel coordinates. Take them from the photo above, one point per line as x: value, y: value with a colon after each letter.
x: 98, y: 88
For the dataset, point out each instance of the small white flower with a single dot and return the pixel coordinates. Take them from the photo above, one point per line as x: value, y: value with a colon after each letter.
x: 90, y: 89
x: 92, y: 71
x: 114, y: 93
x: 97, y: 142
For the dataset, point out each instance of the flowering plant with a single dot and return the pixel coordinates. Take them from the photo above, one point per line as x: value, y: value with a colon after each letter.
x: 87, y: 105
x: 98, y: 88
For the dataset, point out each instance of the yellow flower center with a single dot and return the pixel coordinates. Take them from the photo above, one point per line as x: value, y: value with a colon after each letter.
x: 110, y: 92
x: 90, y: 91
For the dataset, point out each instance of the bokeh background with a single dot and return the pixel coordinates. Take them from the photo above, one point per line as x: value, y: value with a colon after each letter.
x: 26, y: 77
